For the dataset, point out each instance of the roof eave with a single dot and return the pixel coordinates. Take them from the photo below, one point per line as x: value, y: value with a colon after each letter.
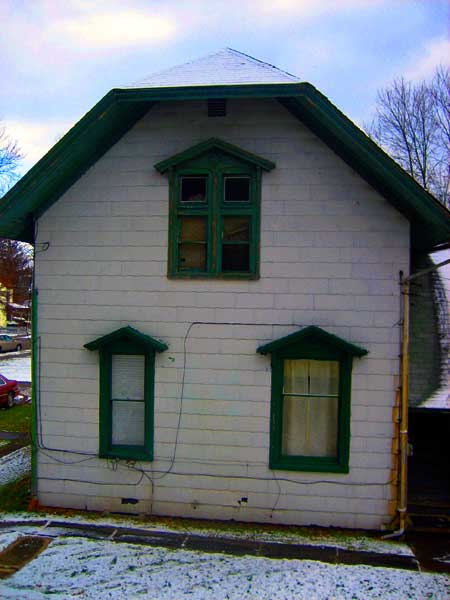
x: 117, y: 112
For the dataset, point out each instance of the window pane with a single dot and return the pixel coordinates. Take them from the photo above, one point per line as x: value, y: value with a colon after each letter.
x: 323, y: 377
x: 311, y: 377
x: 237, y: 189
x: 128, y: 376
x: 295, y: 377
x: 236, y: 257
x: 193, y: 229
x: 236, y: 229
x: 192, y: 256
x: 310, y: 426
x: 128, y: 422
x: 193, y: 189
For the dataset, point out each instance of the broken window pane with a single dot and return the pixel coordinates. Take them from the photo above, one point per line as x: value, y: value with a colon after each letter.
x: 236, y: 229
x: 192, y: 256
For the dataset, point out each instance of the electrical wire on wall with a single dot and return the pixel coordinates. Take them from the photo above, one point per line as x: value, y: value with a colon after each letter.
x: 153, y: 475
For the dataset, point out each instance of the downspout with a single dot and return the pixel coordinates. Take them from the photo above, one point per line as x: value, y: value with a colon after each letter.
x: 403, y: 428
x: 34, y: 358
x: 403, y: 432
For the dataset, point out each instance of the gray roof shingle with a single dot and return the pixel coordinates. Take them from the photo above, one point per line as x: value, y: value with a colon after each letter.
x: 225, y: 67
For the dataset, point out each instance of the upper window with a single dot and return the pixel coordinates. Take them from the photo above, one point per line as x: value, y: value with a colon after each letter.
x: 215, y: 191
x: 127, y: 366
x: 310, y: 407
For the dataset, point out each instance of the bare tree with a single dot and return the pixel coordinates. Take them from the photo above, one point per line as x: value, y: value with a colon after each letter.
x: 10, y: 157
x: 412, y: 123
x: 16, y: 268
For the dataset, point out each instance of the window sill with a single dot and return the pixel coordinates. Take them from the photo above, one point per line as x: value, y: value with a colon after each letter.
x: 235, y: 276
x: 319, y: 465
x: 127, y: 453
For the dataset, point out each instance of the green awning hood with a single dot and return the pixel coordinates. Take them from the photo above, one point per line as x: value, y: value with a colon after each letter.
x: 126, y: 335
x: 120, y: 109
x: 311, y: 335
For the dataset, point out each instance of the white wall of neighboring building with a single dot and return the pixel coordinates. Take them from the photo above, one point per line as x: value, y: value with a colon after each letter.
x: 331, y: 251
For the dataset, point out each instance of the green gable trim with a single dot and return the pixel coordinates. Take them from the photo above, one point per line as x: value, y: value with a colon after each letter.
x: 208, y: 146
x: 127, y: 335
x: 430, y: 220
x: 311, y: 336
x: 64, y: 164
x: 120, y: 109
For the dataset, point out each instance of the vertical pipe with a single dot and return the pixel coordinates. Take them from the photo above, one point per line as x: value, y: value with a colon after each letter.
x: 34, y: 359
x: 403, y: 500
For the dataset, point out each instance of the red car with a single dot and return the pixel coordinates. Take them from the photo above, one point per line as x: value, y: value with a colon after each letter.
x: 9, y: 389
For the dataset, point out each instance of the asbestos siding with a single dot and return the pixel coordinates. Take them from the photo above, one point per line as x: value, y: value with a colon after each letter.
x: 331, y: 250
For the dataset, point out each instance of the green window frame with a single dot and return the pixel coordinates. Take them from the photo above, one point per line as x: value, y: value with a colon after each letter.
x: 217, y: 235
x: 126, y: 342
x: 310, y: 345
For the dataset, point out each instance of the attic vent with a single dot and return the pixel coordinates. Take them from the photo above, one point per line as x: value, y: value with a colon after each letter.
x: 217, y: 107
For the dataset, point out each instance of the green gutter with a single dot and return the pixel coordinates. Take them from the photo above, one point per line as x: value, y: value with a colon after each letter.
x: 34, y: 372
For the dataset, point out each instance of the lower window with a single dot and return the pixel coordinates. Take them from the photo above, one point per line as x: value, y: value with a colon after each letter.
x: 310, y: 408
x: 127, y: 373
x: 310, y: 405
x: 310, y: 414
x: 126, y: 409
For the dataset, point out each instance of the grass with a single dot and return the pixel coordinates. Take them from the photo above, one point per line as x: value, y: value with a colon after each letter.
x: 17, y: 418
x: 15, y: 496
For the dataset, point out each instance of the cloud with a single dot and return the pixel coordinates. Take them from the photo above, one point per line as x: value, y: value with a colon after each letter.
x: 436, y: 52
x: 307, y: 9
x: 36, y: 138
x: 117, y: 29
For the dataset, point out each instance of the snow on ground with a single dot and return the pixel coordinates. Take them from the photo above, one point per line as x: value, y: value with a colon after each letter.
x: 16, y: 367
x: 310, y: 537
x: 15, y: 465
x: 8, y: 538
x: 75, y: 567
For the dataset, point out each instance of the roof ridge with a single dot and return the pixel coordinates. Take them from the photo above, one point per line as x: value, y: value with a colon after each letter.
x: 262, y: 62
x: 223, y: 57
x: 188, y: 62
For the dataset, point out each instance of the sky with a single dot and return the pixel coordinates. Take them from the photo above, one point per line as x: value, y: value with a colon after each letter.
x: 59, y: 57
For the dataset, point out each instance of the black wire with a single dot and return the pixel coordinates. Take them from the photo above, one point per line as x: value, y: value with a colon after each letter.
x: 150, y: 475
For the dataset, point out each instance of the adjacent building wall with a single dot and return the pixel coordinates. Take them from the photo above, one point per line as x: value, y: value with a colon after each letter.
x: 331, y: 251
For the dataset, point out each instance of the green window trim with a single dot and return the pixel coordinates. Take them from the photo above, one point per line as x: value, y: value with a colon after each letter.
x: 311, y: 343
x: 129, y: 342
x: 217, y: 162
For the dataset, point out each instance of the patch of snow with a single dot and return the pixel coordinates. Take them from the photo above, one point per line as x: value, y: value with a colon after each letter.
x: 16, y: 367
x: 72, y: 567
x: 15, y: 465
x: 343, y: 541
x: 8, y: 538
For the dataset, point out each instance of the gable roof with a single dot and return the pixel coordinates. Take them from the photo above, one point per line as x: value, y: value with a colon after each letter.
x: 226, y: 67
x: 312, y: 334
x: 120, y: 109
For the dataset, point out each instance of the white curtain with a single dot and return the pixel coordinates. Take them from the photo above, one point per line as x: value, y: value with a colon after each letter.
x: 310, y: 424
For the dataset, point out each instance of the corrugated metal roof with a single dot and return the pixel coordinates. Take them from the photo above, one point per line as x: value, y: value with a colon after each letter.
x: 226, y: 67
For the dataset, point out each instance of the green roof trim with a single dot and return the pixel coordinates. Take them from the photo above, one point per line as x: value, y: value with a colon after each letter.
x: 129, y: 334
x: 120, y: 109
x: 213, y: 144
x: 312, y: 334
